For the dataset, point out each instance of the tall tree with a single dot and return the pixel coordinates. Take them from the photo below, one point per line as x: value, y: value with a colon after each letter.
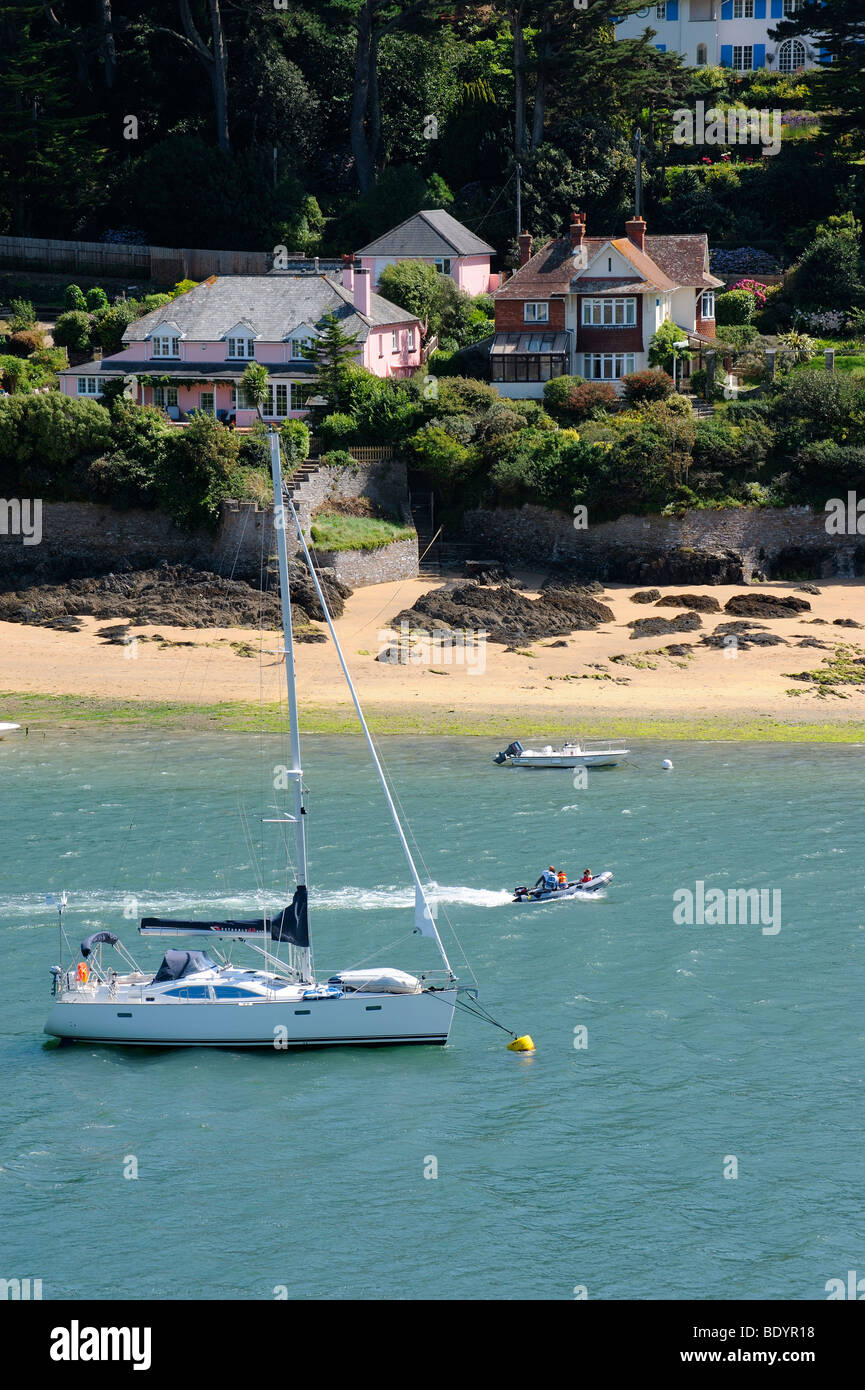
x: 214, y: 58
x: 838, y: 28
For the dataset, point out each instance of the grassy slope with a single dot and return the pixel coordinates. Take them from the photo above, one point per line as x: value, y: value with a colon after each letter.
x: 332, y: 532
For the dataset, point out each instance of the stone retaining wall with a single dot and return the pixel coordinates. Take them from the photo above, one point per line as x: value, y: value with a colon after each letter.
x: 386, y: 563
x: 727, y: 546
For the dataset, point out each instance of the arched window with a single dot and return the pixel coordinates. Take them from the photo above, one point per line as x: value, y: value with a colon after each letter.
x: 701, y: 55
x: 791, y: 55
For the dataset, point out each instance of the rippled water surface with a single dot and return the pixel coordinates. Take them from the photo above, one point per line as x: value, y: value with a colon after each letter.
x: 600, y: 1165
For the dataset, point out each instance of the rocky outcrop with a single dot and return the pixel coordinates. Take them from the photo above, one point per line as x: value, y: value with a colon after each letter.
x: 505, y: 615
x: 646, y: 596
x: 658, y: 627
x: 177, y: 596
x: 766, y: 606
x: 698, y: 603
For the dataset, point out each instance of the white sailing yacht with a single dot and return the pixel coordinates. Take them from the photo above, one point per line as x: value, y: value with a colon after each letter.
x: 194, y: 1000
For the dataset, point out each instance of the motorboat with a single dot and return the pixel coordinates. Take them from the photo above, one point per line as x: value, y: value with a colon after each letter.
x: 574, y: 753
x: 575, y: 888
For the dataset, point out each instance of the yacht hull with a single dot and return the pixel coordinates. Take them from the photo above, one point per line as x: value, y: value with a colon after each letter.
x: 351, y: 1021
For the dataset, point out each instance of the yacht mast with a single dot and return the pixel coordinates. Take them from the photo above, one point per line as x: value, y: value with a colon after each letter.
x: 423, y: 918
x: 295, y: 772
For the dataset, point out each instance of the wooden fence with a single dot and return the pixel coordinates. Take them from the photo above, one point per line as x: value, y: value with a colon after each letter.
x: 164, y: 264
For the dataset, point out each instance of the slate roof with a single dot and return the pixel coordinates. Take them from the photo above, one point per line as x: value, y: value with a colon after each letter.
x: 666, y: 262
x: 274, y: 305
x: 432, y: 233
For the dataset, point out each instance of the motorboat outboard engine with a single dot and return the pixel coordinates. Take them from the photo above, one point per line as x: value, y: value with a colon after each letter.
x: 513, y: 750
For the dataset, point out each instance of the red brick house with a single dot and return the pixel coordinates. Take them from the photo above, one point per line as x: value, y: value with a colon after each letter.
x: 588, y: 306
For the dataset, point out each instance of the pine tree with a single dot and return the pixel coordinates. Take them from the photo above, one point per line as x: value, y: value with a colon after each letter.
x: 333, y: 354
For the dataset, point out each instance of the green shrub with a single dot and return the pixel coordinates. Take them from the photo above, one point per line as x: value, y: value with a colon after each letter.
x: 648, y: 385
x: 25, y: 341
x: 295, y: 443
x: 23, y: 315
x: 97, y: 299
x: 734, y: 307
x: 182, y: 287
x: 72, y: 331
x: 15, y: 373
x: 336, y: 430
x: 73, y: 298
x: 198, y: 470
x: 440, y: 455
x: 110, y: 325
x: 339, y: 458
x: 557, y: 390
x: 42, y: 438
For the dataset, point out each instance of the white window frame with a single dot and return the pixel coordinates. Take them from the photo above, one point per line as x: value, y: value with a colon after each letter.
x: 743, y: 9
x: 394, y: 340
x: 661, y: 10
x: 443, y: 264
x: 596, y: 365
x: 789, y: 7
x: 296, y: 400
x: 238, y: 349
x: 707, y: 304
x: 91, y: 385
x: 609, y: 312
x: 536, y: 311
x: 297, y: 346
x: 743, y: 57
x: 410, y: 343
x: 162, y: 396
x: 276, y: 405
x: 788, y: 52
x: 171, y: 350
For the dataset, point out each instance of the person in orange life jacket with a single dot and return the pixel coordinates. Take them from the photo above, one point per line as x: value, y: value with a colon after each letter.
x: 587, y: 875
x: 547, y: 880
x: 562, y: 878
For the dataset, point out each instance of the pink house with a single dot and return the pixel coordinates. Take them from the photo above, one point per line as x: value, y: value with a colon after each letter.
x: 437, y: 239
x: 191, y: 354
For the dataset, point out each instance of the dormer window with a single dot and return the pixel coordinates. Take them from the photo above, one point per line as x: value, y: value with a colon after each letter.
x: 167, y: 346
x: 298, y: 346
x: 241, y: 347
x: 535, y: 311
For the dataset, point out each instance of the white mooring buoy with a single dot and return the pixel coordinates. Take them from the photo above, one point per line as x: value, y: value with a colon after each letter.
x: 667, y: 765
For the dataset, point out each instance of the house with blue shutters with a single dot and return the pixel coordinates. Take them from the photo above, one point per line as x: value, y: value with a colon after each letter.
x: 724, y: 33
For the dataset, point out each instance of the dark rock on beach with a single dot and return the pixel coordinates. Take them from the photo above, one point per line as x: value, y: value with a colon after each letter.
x: 658, y: 627
x: 506, y: 616
x: 766, y: 606
x: 646, y: 596
x: 698, y: 603
x: 175, y: 595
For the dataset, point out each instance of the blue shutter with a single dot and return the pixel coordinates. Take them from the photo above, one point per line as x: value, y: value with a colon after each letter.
x: 777, y: 9
x: 727, y: 54
x: 727, y: 9
x: 759, y: 9
x: 823, y: 55
x: 661, y: 47
x: 759, y: 55
x: 672, y: 9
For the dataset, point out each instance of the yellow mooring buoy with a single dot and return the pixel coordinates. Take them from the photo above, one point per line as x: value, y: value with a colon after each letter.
x: 523, y: 1044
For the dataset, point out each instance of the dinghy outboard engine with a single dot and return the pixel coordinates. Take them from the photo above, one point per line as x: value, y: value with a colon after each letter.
x: 513, y: 750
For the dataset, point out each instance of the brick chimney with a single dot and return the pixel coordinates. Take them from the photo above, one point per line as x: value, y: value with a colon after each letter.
x: 348, y: 274
x: 525, y: 241
x: 636, y: 230
x: 577, y: 229
x: 362, y: 291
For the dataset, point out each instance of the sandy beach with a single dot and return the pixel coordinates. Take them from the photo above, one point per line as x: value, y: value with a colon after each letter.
x: 546, y: 689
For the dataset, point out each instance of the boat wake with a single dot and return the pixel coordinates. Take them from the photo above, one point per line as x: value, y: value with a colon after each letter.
x: 32, y: 910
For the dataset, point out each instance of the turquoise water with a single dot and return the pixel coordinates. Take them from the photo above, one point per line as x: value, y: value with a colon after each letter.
x: 600, y: 1167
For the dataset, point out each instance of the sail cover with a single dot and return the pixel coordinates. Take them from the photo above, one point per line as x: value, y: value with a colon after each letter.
x: 90, y: 941
x: 290, y: 925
